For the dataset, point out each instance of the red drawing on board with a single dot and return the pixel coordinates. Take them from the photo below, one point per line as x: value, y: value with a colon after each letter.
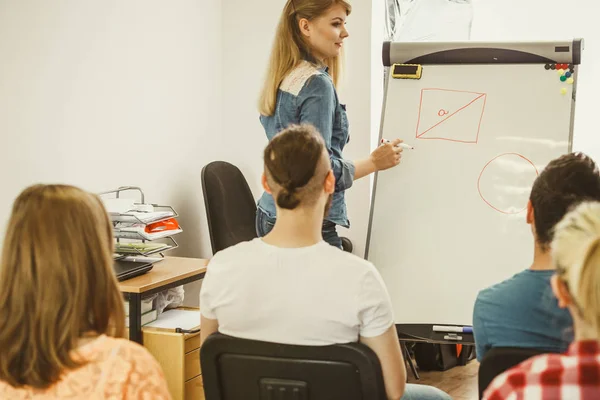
x: 527, y: 166
x: 461, y: 113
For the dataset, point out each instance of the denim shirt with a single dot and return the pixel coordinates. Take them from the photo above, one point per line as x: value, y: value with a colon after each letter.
x: 307, y: 96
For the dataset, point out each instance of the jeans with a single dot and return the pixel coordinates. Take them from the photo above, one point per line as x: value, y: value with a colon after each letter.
x: 423, y: 392
x: 264, y: 224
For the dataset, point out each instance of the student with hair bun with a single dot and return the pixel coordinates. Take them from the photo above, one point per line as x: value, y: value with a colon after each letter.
x: 574, y: 375
x: 291, y: 286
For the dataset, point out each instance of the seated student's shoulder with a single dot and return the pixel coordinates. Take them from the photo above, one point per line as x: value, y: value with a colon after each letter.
x: 135, y: 368
x: 348, y: 261
x: 246, y: 248
x: 504, y: 293
x: 127, y: 352
x: 111, y: 365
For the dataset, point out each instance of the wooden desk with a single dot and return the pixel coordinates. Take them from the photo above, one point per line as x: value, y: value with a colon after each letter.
x: 168, y: 273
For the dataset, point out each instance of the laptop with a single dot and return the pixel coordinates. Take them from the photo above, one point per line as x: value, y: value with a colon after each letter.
x: 128, y: 269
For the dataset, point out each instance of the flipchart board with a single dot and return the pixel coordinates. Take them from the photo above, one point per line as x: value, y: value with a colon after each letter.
x: 484, y: 119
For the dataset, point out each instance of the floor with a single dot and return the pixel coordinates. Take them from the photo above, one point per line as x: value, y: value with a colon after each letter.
x: 459, y: 382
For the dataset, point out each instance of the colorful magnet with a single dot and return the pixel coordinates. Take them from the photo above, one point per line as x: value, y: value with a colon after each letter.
x: 563, y: 91
x: 563, y: 78
x: 568, y: 74
x: 561, y: 71
x: 547, y: 66
x: 570, y: 80
x: 553, y: 66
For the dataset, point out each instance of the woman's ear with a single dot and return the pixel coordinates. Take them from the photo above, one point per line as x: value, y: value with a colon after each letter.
x: 304, y: 26
x: 329, y: 185
x: 265, y: 183
x: 529, y: 213
x: 559, y: 288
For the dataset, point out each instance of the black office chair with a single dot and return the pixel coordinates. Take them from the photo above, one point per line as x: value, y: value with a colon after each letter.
x: 347, y: 244
x: 231, y: 208
x: 230, y: 205
x: 240, y: 369
x: 499, y: 359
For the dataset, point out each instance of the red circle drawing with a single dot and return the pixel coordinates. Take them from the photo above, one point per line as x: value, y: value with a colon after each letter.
x: 483, y: 170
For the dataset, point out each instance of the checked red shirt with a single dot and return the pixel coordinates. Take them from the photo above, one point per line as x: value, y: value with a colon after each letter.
x: 574, y: 375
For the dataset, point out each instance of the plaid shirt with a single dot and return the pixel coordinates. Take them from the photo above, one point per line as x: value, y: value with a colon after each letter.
x: 574, y: 375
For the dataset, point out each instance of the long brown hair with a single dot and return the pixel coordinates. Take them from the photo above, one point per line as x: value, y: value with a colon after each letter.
x: 56, y: 283
x: 289, y: 48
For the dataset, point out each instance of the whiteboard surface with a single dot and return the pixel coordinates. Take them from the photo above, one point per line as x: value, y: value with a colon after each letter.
x: 450, y: 219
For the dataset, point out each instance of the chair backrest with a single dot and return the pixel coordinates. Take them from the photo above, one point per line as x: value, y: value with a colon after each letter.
x: 499, y: 359
x: 230, y: 205
x: 241, y: 369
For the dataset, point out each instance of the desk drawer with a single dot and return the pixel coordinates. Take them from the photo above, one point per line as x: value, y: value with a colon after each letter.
x: 179, y: 356
x: 192, y: 342
x: 194, y: 389
x: 192, y: 364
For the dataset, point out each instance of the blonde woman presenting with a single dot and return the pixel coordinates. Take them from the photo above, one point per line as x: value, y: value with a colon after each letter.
x: 300, y: 88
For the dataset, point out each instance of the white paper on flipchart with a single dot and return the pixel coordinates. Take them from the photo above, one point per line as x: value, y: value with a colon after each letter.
x: 171, y: 319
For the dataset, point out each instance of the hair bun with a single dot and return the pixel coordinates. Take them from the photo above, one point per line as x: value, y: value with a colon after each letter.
x: 287, y: 199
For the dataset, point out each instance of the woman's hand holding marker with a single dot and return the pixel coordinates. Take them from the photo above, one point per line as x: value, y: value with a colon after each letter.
x: 403, y: 145
x: 387, y: 155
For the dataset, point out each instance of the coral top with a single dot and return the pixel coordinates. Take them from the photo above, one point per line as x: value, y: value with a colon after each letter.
x: 116, y: 369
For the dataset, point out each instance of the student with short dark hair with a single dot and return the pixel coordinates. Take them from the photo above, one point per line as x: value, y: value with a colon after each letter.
x: 521, y: 311
x: 574, y: 375
x: 291, y: 286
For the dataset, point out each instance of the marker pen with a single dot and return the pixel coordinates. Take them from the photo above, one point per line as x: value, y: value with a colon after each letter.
x: 403, y: 145
x: 459, y: 329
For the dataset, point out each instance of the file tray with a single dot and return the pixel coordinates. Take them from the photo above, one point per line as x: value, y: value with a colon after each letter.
x: 160, y: 213
x: 144, y: 248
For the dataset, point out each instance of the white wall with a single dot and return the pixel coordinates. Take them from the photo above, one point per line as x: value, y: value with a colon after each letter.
x: 247, y: 31
x: 357, y: 94
x: 101, y: 94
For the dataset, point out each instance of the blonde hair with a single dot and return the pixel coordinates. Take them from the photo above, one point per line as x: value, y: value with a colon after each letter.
x: 57, y: 283
x: 289, y: 48
x: 576, y: 256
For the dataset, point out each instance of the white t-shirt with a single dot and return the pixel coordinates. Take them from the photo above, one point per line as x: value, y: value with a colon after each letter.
x: 316, y: 295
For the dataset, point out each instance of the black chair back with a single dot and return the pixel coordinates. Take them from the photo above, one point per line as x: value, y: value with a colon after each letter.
x: 241, y: 369
x: 230, y: 205
x: 499, y: 359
